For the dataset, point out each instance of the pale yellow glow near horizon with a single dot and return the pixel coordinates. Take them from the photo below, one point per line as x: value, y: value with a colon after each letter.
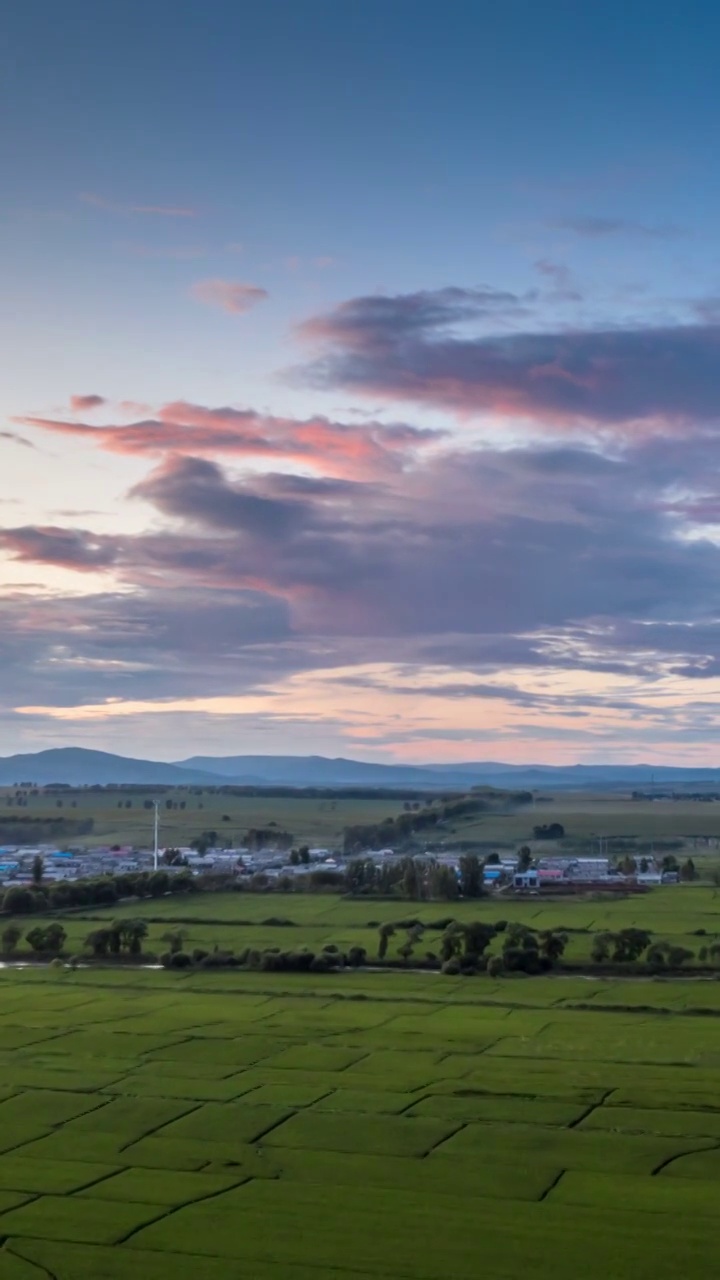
x: 375, y: 714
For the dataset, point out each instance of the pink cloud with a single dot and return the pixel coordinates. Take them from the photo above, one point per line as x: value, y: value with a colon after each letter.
x: 229, y: 295
x: 339, y: 449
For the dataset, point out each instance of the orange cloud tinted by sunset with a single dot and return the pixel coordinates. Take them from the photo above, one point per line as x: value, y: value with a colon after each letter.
x: 229, y: 295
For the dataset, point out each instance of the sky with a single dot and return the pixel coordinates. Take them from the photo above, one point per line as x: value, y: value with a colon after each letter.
x: 360, y: 379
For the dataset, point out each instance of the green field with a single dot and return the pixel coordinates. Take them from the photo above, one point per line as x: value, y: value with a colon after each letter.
x: 311, y: 821
x: 356, y: 1126
x: 237, y: 920
x: 321, y: 821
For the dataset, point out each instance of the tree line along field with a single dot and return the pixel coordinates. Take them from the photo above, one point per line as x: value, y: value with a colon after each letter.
x: 383, y: 1127
x: 686, y: 915
x: 120, y: 817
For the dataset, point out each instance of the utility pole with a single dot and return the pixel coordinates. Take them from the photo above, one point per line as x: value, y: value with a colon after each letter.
x: 156, y: 807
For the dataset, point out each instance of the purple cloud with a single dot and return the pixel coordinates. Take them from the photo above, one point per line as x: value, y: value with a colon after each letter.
x: 406, y: 348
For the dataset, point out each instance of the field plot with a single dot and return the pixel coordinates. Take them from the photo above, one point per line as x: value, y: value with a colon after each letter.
x: 381, y: 1127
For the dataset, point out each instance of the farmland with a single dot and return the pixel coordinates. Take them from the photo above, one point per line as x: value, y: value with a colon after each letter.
x: 121, y: 817
x: 355, y: 1125
x: 686, y: 915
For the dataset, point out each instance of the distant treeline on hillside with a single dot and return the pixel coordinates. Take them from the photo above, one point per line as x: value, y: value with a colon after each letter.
x: 397, y: 831
x: 38, y: 830
x: 276, y: 792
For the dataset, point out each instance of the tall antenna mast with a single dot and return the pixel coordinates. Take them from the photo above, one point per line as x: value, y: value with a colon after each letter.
x: 155, y: 832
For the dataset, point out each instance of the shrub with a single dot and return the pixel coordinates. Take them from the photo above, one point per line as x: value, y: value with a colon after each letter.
x: 451, y: 967
x: 278, y: 922
x: 501, y: 926
x: 199, y: 954
x: 180, y: 960
x: 356, y: 956
x: 321, y: 964
x: 495, y: 966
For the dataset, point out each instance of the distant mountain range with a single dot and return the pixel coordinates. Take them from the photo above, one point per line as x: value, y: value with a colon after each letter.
x: 79, y: 767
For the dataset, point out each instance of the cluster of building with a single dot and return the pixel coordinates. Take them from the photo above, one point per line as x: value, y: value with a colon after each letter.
x: 586, y: 873
x: 18, y: 861
x: 548, y: 873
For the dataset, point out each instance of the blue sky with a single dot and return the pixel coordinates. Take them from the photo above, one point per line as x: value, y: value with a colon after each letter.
x: 494, y: 224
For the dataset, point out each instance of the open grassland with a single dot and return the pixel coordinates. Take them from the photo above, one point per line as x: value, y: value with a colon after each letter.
x: 120, y: 818
x: 610, y: 815
x: 355, y: 1127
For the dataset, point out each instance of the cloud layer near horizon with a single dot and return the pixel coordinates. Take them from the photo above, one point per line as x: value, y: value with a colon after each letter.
x: 447, y: 586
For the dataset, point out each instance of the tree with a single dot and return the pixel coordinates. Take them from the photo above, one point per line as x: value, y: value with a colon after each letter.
x: 11, y: 935
x: 524, y: 858
x: 134, y: 932
x: 38, y: 868
x: 625, y: 946
x: 552, y: 945
x: 600, y: 951
x: 495, y: 967
x: 521, y: 951
x: 19, y: 901
x: 471, y: 876
x: 304, y: 854
x: 663, y: 955
x: 443, y: 883
x: 99, y: 942
x: 549, y: 831
x: 173, y: 858
x: 46, y: 939
x: 687, y: 870
x: 411, y: 881
x: 158, y: 883
x: 451, y: 941
x: 360, y: 874
x: 386, y: 932
x: 644, y: 866
x: 174, y: 938
x: 476, y: 940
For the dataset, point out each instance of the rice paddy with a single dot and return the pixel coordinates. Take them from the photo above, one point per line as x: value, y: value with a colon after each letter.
x: 232, y: 1125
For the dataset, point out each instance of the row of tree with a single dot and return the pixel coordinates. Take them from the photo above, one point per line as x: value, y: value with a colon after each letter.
x: 24, y: 900
x: 417, y: 880
x: 398, y: 831
x: 463, y: 947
